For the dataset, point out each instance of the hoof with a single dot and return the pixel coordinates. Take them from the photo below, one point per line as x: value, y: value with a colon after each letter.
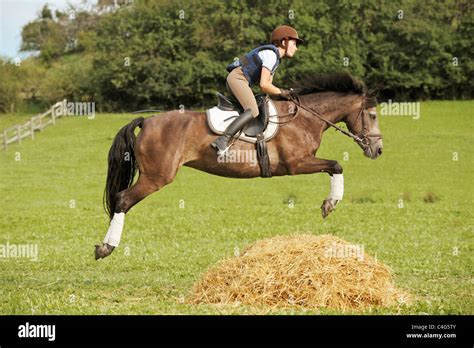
x: 103, y: 250
x: 328, y: 206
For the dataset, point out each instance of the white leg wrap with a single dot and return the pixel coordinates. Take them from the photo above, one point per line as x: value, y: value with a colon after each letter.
x: 115, y: 230
x: 337, y: 187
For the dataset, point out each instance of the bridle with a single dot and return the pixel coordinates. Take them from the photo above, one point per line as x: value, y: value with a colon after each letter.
x: 362, y: 139
x: 365, y: 135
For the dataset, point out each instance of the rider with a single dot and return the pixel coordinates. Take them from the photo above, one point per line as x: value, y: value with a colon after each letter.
x: 257, y: 66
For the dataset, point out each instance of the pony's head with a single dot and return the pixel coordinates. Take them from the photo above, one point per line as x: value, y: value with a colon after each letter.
x: 364, y: 124
x: 359, y: 111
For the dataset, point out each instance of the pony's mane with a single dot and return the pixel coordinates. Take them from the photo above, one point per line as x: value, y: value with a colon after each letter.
x: 342, y: 82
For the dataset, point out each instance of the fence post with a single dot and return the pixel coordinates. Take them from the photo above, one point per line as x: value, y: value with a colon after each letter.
x: 18, y: 130
x: 52, y: 115
x: 32, y: 128
x: 5, y: 139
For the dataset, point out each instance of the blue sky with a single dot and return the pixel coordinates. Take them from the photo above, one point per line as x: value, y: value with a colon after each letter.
x: 14, y: 14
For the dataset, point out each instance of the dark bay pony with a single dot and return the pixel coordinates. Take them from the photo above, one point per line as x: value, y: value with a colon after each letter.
x: 176, y: 138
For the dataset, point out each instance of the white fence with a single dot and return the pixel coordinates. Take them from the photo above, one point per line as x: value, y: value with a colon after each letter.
x: 18, y: 132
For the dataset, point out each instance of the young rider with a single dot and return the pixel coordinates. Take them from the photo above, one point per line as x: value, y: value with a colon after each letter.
x: 256, y: 67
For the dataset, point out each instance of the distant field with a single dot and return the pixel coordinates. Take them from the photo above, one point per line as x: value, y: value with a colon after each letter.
x: 28, y: 111
x: 52, y: 197
x: 9, y: 120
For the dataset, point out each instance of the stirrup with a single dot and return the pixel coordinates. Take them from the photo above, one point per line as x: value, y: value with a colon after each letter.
x: 229, y: 144
x: 225, y: 151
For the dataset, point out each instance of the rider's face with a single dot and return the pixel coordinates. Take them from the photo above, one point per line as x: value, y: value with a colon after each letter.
x: 291, y: 48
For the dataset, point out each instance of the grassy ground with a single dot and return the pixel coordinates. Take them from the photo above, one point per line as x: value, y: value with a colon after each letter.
x: 51, y: 195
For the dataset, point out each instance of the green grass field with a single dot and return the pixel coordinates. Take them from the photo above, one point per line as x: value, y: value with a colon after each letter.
x: 51, y: 195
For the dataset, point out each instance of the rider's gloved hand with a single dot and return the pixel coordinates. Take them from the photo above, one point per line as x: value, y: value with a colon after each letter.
x: 287, y: 93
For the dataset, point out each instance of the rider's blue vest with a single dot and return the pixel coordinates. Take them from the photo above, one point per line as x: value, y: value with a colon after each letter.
x: 252, y: 64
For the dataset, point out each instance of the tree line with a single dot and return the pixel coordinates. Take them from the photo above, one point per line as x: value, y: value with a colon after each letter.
x: 128, y: 55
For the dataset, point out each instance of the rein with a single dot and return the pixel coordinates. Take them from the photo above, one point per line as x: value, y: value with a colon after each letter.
x: 293, y: 115
x: 143, y: 111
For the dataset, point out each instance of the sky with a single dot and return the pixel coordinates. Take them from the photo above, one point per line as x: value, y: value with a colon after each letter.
x: 14, y: 14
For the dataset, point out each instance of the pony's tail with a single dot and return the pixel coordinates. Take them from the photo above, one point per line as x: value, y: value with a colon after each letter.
x: 122, y: 164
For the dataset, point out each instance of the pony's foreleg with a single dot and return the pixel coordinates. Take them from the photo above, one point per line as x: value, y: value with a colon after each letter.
x: 125, y: 200
x: 334, y: 169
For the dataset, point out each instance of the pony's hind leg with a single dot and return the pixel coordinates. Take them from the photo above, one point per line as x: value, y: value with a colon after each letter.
x: 124, y: 201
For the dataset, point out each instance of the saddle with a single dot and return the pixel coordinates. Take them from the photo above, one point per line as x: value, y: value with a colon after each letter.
x: 258, y: 124
x: 259, y: 131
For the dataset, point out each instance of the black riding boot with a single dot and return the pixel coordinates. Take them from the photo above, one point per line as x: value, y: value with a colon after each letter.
x: 221, y: 144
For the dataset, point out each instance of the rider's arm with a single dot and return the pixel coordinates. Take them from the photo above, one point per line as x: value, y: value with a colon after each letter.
x: 266, y: 84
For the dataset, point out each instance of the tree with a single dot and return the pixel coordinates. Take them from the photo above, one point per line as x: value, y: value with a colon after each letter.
x: 46, y: 13
x: 10, y: 86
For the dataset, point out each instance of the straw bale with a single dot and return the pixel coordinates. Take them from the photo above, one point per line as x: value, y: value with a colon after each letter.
x: 300, y: 270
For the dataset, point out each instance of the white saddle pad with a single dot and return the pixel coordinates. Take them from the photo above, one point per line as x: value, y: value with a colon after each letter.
x: 218, y: 121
